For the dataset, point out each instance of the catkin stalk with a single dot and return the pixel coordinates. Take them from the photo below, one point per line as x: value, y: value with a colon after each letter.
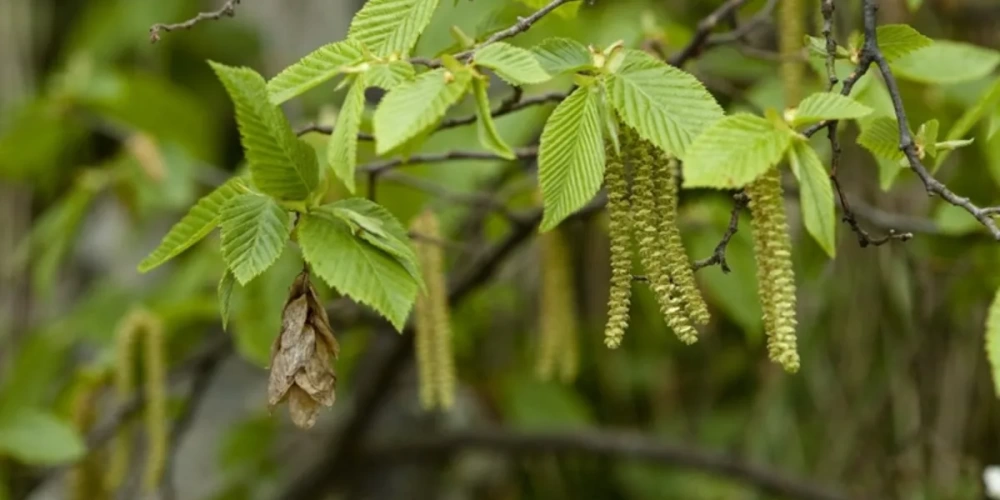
x: 121, y: 448
x: 435, y: 357
x: 620, y: 230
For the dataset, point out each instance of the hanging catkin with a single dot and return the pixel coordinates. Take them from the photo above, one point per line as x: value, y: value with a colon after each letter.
x: 435, y: 359
x: 653, y: 250
x: 121, y: 449
x: 678, y: 265
x: 87, y: 480
x: 775, y: 277
x: 558, y: 350
x: 154, y: 386
x: 619, y: 228
x: 141, y: 325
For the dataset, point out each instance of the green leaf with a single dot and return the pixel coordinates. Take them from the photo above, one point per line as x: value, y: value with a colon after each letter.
x: 515, y: 65
x: 357, y: 268
x: 946, y: 61
x: 391, y: 26
x: 987, y: 103
x: 412, y: 108
x: 489, y: 137
x: 203, y: 217
x: 280, y: 164
x: 571, y: 156
x: 36, y: 437
x: 342, y: 148
x: 898, y: 40
x: 225, y: 292
x: 665, y: 105
x: 881, y: 137
x: 319, y: 66
x: 567, y: 10
x: 828, y: 106
x: 389, y: 75
x: 927, y: 136
x: 816, y: 195
x: 376, y: 225
x: 254, y: 232
x: 817, y: 47
x: 734, y: 152
x: 993, y: 341
x: 562, y: 55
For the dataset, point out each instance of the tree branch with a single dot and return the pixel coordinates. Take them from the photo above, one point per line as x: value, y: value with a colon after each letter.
x: 227, y: 10
x: 718, y: 256
x: 628, y: 446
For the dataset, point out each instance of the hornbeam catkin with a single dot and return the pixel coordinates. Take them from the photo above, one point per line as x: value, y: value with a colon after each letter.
x: 677, y: 263
x: 435, y: 359
x: 125, y: 335
x: 775, y: 277
x: 653, y: 252
x: 86, y: 480
x: 154, y: 385
x: 558, y: 349
x: 619, y: 228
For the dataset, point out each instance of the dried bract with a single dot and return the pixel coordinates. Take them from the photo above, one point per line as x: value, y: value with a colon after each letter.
x: 302, y: 356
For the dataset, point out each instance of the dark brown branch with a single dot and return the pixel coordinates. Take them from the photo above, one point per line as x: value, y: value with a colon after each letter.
x: 507, y: 107
x: 718, y: 256
x: 227, y: 10
x: 386, y: 165
x: 620, y: 445
x: 871, y: 52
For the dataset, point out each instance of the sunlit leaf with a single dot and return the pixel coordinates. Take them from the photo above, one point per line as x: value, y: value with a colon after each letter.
x: 515, y: 65
x: 816, y: 195
x: 734, y: 152
x: 342, y: 149
x: 391, y: 26
x: 35, y: 437
x: 254, y: 232
x: 410, y: 109
x: 319, y: 66
x: 489, y: 137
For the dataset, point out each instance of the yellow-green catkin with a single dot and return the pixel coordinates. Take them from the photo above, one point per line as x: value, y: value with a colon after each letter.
x: 653, y: 250
x: 435, y: 358
x: 558, y: 351
x: 86, y: 480
x: 665, y: 175
x: 127, y: 331
x: 776, y: 279
x: 141, y: 325
x: 154, y: 385
x: 620, y: 231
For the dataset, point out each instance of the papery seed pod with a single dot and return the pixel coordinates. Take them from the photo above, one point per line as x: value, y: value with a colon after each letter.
x: 302, y: 356
x: 435, y: 357
x: 558, y: 351
x: 620, y: 229
x: 154, y: 387
x: 653, y: 249
x: 678, y: 265
x: 775, y: 276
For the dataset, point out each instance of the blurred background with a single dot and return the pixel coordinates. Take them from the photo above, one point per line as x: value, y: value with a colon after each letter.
x: 107, y: 139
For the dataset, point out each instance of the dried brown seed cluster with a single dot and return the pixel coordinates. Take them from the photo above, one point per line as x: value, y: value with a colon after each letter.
x: 302, y: 356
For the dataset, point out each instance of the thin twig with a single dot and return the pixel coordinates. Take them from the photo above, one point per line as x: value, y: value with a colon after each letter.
x: 619, y: 445
x: 762, y: 16
x: 227, y: 10
x: 505, y: 108
x: 864, y: 237
x: 704, y: 30
x: 386, y: 165
x: 718, y: 256
x: 522, y: 25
